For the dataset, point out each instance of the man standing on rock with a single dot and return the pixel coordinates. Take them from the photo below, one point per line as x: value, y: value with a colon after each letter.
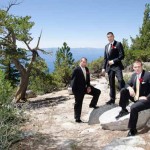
x: 80, y: 83
x: 113, y: 55
x: 138, y: 91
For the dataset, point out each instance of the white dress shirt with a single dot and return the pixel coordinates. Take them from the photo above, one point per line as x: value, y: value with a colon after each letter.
x: 109, y: 47
x: 84, y: 71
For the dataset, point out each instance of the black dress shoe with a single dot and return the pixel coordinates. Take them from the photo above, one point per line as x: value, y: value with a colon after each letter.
x: 110, y: 102
x: 79, y: 121
x: 132, y: 132
x: 122, y: 113
x: 95, y: 107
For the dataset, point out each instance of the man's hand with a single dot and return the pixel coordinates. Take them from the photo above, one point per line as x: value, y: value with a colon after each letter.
x: 142, y: 98
x: 88, y: 89
x: 131, y: 91
x: 103, y: 72
x: 111, y: 62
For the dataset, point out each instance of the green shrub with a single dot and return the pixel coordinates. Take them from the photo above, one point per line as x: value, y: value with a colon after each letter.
x: 96, y: 65
x: 42, y: 84
x: 132, y: 55
x: 9, y: 116
x: 41, y: 81
x: 126, y: 78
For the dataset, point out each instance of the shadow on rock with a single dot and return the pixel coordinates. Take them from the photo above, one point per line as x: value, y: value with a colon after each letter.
x: 96, y: 113
x: 47, y: 102
x: 41, y: 141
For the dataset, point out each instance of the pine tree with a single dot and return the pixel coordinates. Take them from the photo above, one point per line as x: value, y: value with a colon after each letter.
x: 63, y: 64
x: 125, y: 44
x: 142, y: 41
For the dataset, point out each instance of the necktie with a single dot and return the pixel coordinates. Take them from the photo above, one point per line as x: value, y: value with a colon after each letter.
x: 137, y: 89
x: 110, y: 46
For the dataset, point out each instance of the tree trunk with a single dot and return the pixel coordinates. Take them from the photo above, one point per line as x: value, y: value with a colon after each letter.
x: 21, y: 91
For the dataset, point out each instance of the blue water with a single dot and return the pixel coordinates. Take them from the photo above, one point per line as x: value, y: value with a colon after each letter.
x: 90, y: 53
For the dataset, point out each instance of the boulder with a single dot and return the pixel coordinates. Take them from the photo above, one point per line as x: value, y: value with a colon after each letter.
x: 94, y: 114
x: 148, y: 124
x: 30, y: 94
x: 109, y: 122
x: 127, y: 143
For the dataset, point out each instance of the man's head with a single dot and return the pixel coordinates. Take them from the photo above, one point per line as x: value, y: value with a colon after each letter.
x: 138, y: 66
x: 110, y: 37
x: 83, y: 62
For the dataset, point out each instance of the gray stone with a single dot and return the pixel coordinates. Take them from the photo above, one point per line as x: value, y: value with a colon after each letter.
x: 27, y: 134
x: 126, y: 143
x: 94, y: 114
x: 122, y: 147
x: 67, y: 145
x: 88, y: 131
x: 148, y: 123
x: 109, y: 122
x: 30, y: 94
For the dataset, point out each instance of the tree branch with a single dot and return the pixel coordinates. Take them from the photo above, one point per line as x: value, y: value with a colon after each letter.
x: 45, y: 52
x: 11, y: 31
x: 28, y: 46
x: 18, y: 65
x: 37, y: 47
x: 34, y: 54
x: 12, y: 3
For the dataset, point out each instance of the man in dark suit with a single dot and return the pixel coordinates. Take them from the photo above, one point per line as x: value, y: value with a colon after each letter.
x: 80, y: 83
x: 113, y: 55
x: 138, y: 91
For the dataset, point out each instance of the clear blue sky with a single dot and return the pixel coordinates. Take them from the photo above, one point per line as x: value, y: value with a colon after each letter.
x: 81, y: 23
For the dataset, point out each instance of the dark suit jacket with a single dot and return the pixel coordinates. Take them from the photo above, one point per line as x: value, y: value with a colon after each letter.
x: 144, y: 83
x: 116, y: 54
x: 78, y: 82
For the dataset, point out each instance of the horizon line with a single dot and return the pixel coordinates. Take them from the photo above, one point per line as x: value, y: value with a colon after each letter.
x: 76, y: 47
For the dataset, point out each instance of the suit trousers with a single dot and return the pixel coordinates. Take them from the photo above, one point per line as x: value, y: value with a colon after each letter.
x: 124, y: 98
x: 79, y: 100
x: 135, y: 109
x: 111, y: 75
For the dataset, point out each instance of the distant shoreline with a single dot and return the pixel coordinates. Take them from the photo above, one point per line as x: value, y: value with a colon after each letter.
x: 90, y: 53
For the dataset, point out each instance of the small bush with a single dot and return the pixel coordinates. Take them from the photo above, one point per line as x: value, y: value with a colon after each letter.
x: 42, y: 84
x: 9, y: 116
x: 96, y: 65
x: 132, y: 55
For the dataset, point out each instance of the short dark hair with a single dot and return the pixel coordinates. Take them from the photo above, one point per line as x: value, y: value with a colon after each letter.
x: 84, y: 59
x: 110, y: 33
x: 138, y: 61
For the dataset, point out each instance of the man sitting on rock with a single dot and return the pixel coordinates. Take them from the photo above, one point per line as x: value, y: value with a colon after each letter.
x: 80, y: 86
x: 138, y: 91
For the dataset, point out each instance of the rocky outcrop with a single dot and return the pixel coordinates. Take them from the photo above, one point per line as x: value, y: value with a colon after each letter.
x: 127, y: 143
x: 109, y: 122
